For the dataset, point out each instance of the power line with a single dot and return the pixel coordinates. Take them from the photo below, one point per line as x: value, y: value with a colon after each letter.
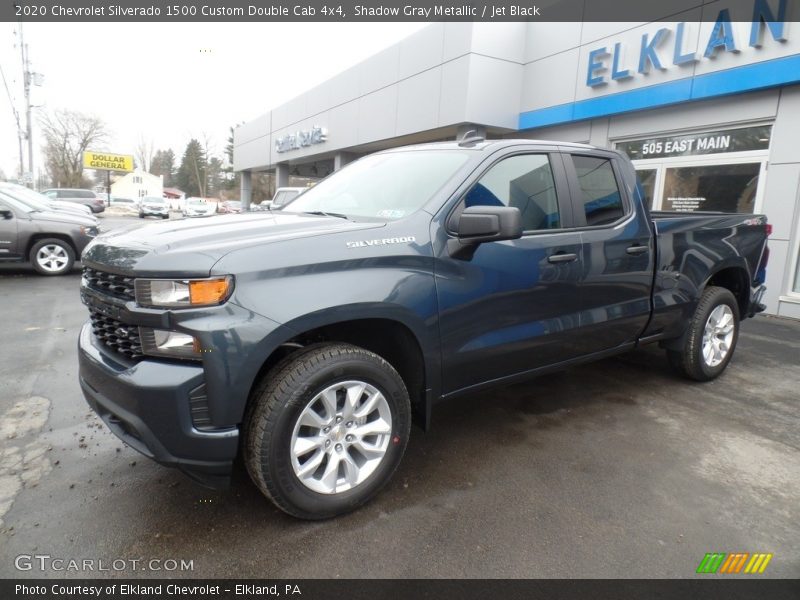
x: 16, y: 118
x: 10, y: 98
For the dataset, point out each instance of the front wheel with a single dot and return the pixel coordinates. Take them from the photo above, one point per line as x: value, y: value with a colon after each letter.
x: 711, y: 337
x: 326, y: 430
x: 52, y: 257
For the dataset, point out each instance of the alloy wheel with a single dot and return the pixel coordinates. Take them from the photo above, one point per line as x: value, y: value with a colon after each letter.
x: 718, y: 335
x: 341, y: 437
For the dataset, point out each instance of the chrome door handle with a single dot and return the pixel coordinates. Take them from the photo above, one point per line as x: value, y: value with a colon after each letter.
x: 634, y: 250
x: 562, y: 258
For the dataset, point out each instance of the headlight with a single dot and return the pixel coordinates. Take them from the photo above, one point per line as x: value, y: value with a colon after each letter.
x: 160, y: 342
x: 90, y: 231
x: 183, y: 293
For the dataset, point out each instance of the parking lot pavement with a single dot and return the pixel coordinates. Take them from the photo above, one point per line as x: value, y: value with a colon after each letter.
x: 616, y: 469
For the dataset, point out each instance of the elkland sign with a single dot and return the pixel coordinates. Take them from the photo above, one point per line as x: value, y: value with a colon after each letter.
x: 301, y: 139
x: 670, y: 43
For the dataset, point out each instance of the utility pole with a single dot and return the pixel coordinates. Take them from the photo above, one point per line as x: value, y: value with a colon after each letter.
x: 26, y: 71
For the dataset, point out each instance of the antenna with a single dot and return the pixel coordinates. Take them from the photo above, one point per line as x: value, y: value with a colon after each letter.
x: 470, y: 138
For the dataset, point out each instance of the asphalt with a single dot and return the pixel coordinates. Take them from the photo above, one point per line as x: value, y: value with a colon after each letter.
x: 615, y: 469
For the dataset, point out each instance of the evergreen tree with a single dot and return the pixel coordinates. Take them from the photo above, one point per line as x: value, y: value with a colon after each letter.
x: 192, y: 176
x: 163, y: 163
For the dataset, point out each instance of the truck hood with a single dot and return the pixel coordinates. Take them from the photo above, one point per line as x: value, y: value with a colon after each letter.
x: 190, y: 247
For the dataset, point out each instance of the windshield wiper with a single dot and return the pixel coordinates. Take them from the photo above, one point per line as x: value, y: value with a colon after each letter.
x: 322, y: 213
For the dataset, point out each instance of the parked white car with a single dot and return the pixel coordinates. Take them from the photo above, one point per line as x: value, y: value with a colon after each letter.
x: 284, y: 195
x: 197, y: 207
x: 155, y: 206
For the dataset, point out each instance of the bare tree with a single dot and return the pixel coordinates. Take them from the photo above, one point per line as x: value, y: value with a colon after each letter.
x: 145, y: 149
x: 68, y: 134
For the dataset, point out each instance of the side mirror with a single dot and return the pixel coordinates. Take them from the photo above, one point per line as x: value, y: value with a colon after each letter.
x: 6, y: 213
x: 479, y: 224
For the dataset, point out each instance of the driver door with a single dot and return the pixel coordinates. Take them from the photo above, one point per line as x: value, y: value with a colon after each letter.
x: 513, y: 306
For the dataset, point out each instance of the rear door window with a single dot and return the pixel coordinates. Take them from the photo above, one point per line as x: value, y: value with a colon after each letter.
x: 598, y: 191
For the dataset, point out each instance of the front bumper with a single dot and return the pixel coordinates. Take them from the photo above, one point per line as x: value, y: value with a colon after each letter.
x: 147, y: 405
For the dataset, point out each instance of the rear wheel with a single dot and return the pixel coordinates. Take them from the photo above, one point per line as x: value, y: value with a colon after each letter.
x: 711, y: 337
x: 326, y: 430
x: 52, y: 257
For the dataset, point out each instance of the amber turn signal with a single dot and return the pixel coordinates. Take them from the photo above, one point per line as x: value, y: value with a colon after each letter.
x: 209, y: 291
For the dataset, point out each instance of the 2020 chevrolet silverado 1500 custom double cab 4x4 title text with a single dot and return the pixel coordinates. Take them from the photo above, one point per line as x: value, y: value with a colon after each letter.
x: 306, y: 339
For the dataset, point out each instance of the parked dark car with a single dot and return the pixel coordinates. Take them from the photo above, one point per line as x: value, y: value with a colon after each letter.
x: 80, y: 196
x: 229, y: 206
x: 308, y: 338
x: 50, y: 240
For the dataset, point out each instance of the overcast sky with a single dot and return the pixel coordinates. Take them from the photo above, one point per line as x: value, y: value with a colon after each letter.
x: 170, y: 82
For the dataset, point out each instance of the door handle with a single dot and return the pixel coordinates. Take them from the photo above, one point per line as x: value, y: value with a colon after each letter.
x: 635, y: 250
x: 562, y: 258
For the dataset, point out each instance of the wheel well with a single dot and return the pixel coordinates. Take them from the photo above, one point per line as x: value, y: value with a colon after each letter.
x: 735, y: 280
x: 37, y: 237
x: 391, y: 340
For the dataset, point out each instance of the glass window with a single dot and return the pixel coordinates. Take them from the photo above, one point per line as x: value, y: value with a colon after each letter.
x: 647, y: 179
x: 602, y: 202
x: 525, y: 182
x: 723, y: 188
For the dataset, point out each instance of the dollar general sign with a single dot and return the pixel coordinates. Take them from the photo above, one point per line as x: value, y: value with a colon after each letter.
x: 105, y: 161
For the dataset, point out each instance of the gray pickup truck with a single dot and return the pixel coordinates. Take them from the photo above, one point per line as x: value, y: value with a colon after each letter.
x: 306, y: 340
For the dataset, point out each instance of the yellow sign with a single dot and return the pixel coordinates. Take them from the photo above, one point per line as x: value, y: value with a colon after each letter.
x: 105, y: 161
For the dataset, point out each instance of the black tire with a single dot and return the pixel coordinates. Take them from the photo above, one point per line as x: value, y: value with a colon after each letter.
x: 61, y: 248
x: 141, y: 215
x: 277, y: 403
x: 689, y: 361
x: 165, y: 216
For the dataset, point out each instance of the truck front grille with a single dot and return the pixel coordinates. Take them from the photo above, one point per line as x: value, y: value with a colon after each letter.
x: 118, y: 286
x: 116, y: 335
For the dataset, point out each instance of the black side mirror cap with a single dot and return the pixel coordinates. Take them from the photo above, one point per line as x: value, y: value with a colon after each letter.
x: 6, y: 213
x: 480, y: 224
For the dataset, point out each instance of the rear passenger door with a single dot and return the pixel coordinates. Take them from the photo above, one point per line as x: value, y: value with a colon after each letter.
x: 617, y: 265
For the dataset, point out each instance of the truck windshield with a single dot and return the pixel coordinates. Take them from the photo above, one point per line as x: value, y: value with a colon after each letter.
x: 382, y: 186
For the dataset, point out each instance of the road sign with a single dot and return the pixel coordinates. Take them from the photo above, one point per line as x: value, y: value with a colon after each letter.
x: 107, y: 161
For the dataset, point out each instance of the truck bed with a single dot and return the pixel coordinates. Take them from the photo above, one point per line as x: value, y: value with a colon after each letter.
x: 689, y: 246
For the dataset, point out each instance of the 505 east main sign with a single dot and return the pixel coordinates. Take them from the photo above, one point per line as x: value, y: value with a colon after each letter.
x: 653, y: 48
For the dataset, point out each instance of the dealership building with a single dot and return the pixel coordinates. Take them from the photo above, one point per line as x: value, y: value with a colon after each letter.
x: 707, y: 105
